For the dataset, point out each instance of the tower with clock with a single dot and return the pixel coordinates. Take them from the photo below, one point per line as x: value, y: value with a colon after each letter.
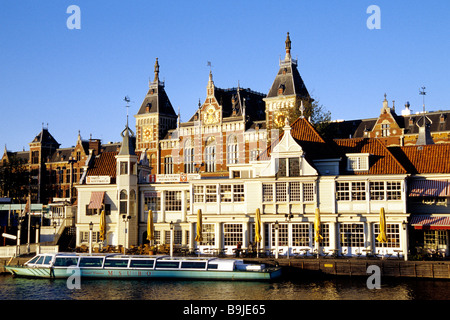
x: 287, y: 92
x: 154, y: 119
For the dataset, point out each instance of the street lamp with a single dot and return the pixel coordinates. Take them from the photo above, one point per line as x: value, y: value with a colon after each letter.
x: 37, y: 232
x: 125, y: 219
x: 171, y: 238
x: 288, y: 218
x: 91, y: 226
x: 276, y: 239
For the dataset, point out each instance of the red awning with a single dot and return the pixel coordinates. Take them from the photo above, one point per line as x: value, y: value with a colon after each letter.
x: 429, y: 188
x: 96, y: 200
x: 430, y: 222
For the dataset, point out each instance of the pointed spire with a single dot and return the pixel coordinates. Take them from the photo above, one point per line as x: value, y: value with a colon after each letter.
x: 156, y: 71
x: 288, y: 47
x: 210, y: 91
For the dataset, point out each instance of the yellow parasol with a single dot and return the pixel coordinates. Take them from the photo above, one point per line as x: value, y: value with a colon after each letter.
x: 317, y: 237
x: 258, y: 226
x: 150, y: 233
x: 382, y: 236
x: 102, y: 226
x: 199, y: 237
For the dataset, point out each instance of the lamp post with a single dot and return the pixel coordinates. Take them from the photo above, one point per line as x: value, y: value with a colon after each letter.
x: 171, y: 238
x: 54, y: 231
x: 125, y: 219
x: 288, y: 219
x: 91, y: 226
x: 276, y: 239
x: 37, y: 232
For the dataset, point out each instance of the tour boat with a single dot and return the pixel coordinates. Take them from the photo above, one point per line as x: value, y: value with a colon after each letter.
x: 64, y: 265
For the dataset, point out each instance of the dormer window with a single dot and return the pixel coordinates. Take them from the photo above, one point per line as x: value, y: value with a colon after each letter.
x: 358, y: 162
x: 288, y: 167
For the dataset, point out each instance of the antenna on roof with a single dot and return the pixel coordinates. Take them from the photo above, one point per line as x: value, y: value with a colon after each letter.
x: 423, y: 93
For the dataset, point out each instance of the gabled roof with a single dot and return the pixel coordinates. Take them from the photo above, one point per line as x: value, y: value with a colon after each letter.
x: 44, y: 137
x: 104, y: 165
x: 288, y: 78
x: 157, y: 101
x: 424, y: 159
x: 381, y: 160
x: 313, y: 145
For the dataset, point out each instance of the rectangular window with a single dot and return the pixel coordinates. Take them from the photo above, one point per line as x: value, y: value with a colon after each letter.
x: 358, y: 162
x: 377, y: 190
x: 358, y: 191
x: 295, y: 191
x: 342, y: 191
x: 352, y: 235
x: 208, y: 234
x: 300, y: 235
x: 225, y: 193
x: 211, y: 193
x: 435, y: 239
x: 281, y: 165
x: 189, y: 160
x: 308, y: 192
x: 283, y: 235
x: 238, y: 193
x: 123, y: 167
x: 152, y: 202
x: 281, y: 191
x: 232, y: 234
x: 168, y: 165
x: 267, y: 192
x: 173, y: 200
x: 199, y: 194
x: 294, y: 167
x: 393, y: 190
x: 392, y: 235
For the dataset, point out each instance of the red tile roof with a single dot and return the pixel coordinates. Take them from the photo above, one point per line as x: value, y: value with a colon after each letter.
x: 433, y: 158
x: 104, y: 165
x: 381, y: 160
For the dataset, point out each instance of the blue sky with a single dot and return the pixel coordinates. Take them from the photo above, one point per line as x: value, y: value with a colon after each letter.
x: 77, y: 79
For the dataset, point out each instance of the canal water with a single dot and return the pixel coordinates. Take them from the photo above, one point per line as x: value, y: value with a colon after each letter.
x: 334, y: 288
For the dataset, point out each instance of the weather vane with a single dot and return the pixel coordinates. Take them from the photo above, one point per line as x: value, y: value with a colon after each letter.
x: 423, y: 93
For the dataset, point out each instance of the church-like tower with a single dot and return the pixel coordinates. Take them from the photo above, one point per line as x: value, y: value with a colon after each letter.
x: 287, y: 92
x: 154, y: 119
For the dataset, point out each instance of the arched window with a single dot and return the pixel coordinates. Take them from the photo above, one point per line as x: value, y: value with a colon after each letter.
x: 123, y: 199
x: 210, y: 154
x: 132, y: 202
x: 188, y: 157
x: 232, y: 149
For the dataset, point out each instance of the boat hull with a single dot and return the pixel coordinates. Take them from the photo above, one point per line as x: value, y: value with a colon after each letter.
x: 46, y: 272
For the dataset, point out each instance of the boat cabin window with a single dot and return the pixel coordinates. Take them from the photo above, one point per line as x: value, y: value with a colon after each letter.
x: 116, y: 263
x: 32, y: 261
x: 212, y: 266
x: 193, y: 265
x: 40, y: 260
x: 91, y: 262
x: 141, y: 263
x: 65, y: 261
x: 167, y: 264
x: 47, y: 259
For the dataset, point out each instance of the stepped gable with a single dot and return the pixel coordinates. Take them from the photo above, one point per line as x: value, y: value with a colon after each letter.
x: 424, y: 159
x: 381, y: 160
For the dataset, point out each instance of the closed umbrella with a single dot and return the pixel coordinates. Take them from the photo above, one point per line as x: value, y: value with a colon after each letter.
x: 199, y: 237
x: 150, y: 233
x: 258, y: 237
x: 317, y: 237
x: 102, y: 235
x: 382, y: 236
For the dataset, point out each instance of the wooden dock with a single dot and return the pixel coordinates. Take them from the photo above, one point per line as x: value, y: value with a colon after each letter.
x: 358, y: 267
